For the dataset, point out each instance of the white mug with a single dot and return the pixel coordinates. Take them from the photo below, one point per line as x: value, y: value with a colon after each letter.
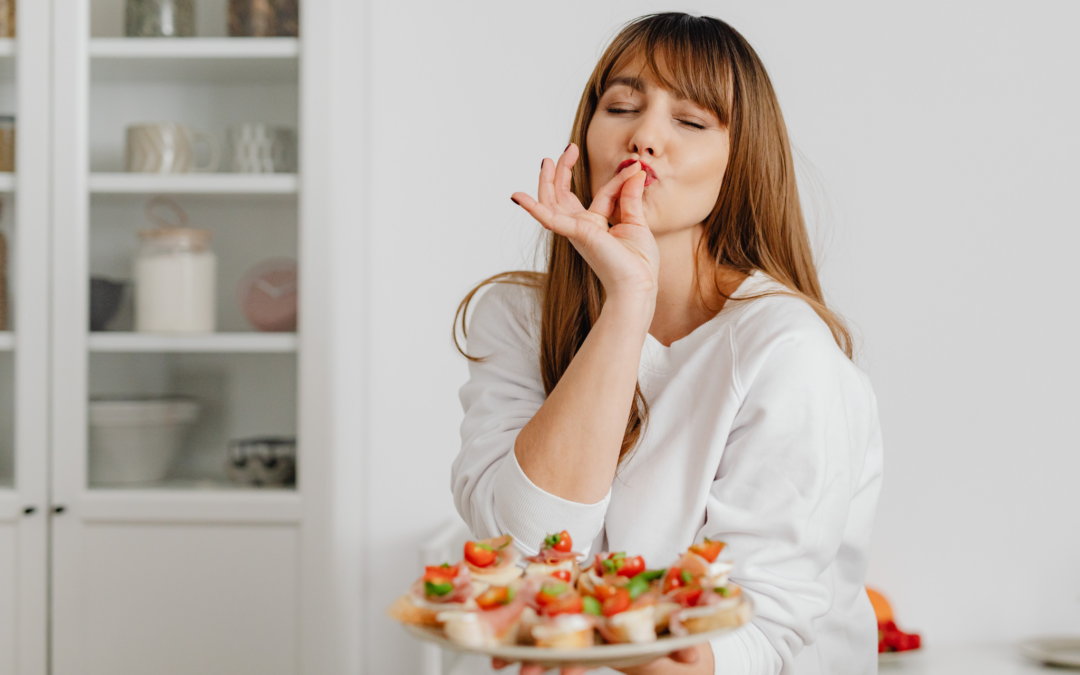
x: 168, y: 147
x: 262, y: 148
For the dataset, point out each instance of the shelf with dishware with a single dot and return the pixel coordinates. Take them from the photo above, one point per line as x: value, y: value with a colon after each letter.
x: 191, y: 420
x: 192, y: 183
x: 225, y: 59
x: 221, y: 343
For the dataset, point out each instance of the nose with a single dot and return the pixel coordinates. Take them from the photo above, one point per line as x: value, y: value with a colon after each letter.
x: 647, y: 139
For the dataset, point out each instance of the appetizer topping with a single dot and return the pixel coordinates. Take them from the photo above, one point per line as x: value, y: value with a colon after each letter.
x: 556, y: 597
x: 618, y: 563
x: 708, y: 549
x: 674, y: 579
x: 562, y: 574
x: 619, y: 601
x: 641, y: 583
x: 495, y: 597
x: 559, y: 542
x: 479, y: 553
x: 488, y: 551
x: 591, y: 605
x: 688, y: 596
x: 439, y: 579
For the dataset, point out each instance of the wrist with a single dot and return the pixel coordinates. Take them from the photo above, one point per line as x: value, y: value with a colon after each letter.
x: 633, y: 309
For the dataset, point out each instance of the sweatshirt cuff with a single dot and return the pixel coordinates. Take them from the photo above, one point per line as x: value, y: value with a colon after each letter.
x: 530, y: 514
x: 734, y: 653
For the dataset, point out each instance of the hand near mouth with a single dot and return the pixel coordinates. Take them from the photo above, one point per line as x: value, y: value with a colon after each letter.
x: 624, y: 256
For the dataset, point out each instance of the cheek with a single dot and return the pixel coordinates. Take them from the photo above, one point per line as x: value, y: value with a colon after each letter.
x: 598, y: 142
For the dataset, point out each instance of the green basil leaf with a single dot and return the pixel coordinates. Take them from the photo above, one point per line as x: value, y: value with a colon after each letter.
x: 437, y: 589
x: 554, y: 590
x: 722, y: 591
x: 591, y: 605
x: 651, y: 575
x: 509, y: 595
x: 619, y: 556
x: 637, y: 586
x: 609, y: 566
x: 551, y: 540
x: 685, y: 576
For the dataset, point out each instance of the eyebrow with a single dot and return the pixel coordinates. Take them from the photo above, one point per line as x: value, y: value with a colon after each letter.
x: 637, y: 84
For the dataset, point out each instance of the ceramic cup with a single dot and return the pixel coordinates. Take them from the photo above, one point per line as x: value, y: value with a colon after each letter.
x: 262, y: 148
x: 168, y: 147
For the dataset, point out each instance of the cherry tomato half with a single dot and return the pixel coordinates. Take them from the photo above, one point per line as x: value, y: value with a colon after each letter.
x: 708, y: 549
x: 565, y: 544
x: 479, y: 554
x: 604, y: 591
x: 562, y: 574
x: 437, y: 574
x: 494, y: 597
x: 569, y: 604
x: 620, y: 602
x: 688, y: 597
x: 673, y: 579
x: 632, y: 567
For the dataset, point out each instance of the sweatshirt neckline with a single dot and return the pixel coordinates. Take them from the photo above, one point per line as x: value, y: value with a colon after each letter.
x: 666, y: 359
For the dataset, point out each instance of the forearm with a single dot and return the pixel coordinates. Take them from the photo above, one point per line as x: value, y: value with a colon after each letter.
x: 571, y: 446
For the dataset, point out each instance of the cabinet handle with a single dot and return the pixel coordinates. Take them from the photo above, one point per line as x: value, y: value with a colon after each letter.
x: 29, y: 510
x: 58, y: 509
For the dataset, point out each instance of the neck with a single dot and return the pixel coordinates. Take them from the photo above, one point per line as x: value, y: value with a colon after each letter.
x: 684, y: 301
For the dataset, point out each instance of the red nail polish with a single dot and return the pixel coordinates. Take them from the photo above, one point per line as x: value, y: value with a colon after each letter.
x: 541, y: 165
x: 515, y: 201
x: 568, y: 146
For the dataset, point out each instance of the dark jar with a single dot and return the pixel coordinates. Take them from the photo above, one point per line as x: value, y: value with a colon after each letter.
x: 264, y: 18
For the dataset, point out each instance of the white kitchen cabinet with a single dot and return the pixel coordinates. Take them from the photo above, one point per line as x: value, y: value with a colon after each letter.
x: 191, y: 574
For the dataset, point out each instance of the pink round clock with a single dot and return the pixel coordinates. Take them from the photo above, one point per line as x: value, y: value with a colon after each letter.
x: 267, y: 295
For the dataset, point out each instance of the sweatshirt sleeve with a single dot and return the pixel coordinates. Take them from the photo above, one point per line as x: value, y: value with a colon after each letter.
x: 783, y: 492
x: 504, y: 391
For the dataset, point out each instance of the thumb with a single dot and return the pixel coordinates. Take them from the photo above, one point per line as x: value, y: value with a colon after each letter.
x: 684, y: 656
x: 630, y: 206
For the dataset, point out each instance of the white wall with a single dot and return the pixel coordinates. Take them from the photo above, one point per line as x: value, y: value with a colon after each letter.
x: 943, y: 138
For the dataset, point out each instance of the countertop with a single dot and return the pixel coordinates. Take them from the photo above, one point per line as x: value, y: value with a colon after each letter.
x: 987, y: 659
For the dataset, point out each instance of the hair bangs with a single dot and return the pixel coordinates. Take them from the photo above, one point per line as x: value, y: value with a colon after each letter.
x: 684, y: 54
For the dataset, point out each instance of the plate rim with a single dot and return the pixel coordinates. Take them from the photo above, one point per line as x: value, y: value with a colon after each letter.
x: 596, y: 654
x: 1036, y: 648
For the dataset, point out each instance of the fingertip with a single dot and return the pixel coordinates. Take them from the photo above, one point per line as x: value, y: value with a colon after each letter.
x: 515, y: 201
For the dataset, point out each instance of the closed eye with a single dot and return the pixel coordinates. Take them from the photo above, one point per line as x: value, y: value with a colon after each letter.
x: 694, y: 125
x: 620, y: 111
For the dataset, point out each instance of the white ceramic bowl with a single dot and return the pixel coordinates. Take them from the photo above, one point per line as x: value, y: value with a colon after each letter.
x: 134, y: 441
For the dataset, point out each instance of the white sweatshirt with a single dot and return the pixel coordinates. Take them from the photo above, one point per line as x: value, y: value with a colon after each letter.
x: 761, y: 434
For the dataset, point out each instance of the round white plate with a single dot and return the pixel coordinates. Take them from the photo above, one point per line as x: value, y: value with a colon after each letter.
x: 615, y: 656
x: 1055, y: 651
x: 896, y: 657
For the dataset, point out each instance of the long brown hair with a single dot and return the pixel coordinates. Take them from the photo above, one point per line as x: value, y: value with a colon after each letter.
x: 756, y: 224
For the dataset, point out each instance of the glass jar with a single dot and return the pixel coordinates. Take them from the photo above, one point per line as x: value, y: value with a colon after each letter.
x: 175, y: 281
x: 264, y: 18
x: 159, y: 18
x: 7, y: 18
x: 7, y: 142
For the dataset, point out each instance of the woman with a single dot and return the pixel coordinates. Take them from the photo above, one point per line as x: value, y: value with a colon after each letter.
x: 676, y: 374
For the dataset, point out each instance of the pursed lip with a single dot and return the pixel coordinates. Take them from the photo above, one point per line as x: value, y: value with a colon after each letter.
x: 650, y: 175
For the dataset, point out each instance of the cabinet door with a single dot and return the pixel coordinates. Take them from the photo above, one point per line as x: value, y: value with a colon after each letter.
x: 188, y: 574
x: 24, y: 91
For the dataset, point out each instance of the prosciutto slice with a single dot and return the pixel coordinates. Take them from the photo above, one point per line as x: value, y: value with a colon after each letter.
x: 550, y: 556
x: 461, y: 592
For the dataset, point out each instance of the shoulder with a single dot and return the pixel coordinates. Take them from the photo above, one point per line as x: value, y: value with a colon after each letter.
x: 773, y: 327
x: 505, y: 313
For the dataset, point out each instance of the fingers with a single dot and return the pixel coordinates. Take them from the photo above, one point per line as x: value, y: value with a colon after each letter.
x: 564, y: 174
x: 604, y: 200
x: 499, y: 664
x: 574, y: 670
x: 531, y: 669
x: 630, y: 205
x: 545, y: 191
x: 684, y: 655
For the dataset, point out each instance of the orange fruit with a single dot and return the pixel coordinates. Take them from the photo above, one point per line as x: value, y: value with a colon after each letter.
x: 881, y: 606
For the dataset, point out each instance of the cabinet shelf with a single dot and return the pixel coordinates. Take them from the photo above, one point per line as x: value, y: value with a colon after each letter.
x: 245, y: 343
x: 7, y: 341
x: 195, y: 59
x: 198, y: 183
x: 194, y: 504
